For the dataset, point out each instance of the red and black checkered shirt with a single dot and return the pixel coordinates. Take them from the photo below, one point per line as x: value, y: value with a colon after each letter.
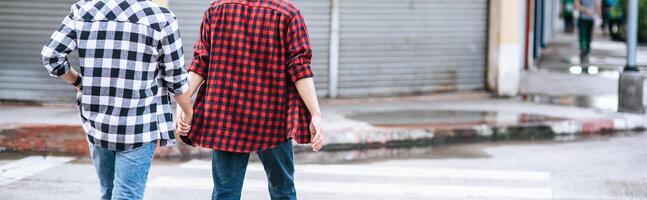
x: 251, y: 53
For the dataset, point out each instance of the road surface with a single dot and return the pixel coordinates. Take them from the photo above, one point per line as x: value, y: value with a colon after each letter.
x: 564, y: 168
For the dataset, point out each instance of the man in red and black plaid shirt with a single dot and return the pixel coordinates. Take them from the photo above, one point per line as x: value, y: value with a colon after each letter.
x: 251, y: 64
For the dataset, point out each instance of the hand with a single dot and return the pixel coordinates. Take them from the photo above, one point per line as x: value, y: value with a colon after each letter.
x: 183, y: 121
x: 78, y: 88
x: 318, y: 133
x: 587, y: 11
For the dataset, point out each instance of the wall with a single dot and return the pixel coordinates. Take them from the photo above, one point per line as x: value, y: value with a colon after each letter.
x: 506, y: 46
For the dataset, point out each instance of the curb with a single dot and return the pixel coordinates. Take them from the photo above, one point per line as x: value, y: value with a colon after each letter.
x: 71, y: 139
x: 44, y: 138
x: 481, y: 133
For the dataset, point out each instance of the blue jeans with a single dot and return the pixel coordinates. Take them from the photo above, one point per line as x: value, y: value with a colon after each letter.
x: 123, y: 174
x: 229, y: 168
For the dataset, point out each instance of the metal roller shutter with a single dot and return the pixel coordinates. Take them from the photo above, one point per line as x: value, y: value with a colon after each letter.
x: 387, y: 47
x: 25, y: 27
x: 189, y: 14
x: 317, y: 15
x: 393, y: 47
x: 316, y: 12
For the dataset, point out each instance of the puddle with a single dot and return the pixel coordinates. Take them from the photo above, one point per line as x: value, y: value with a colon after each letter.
x: 446, y: 151
x: 446, y: 118
x: 465, y: 151
x: 601, y: 102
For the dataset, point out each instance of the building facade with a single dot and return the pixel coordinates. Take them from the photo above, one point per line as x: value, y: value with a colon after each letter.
x: 361, y: 47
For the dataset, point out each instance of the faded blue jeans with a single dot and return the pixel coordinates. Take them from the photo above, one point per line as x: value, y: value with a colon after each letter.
x: 123, y: 174
x: 228, y: 170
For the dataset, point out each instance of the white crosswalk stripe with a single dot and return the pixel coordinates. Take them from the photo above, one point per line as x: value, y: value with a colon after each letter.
x: 398, y: 188
x: 397, y: 171
x: 20, y: 169
x: 452, y: 191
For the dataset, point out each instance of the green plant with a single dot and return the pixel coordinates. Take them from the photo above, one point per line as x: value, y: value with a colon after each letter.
x: 642, y: 20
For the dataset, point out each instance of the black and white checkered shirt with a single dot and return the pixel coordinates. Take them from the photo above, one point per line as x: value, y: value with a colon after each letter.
x: 131, y: 60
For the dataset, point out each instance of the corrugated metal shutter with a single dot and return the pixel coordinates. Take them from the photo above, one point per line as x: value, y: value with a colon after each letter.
x: 411, y: 46
x: 317, y: 15
x: 316, y: 12
x: 189, y: 14
x: 25, y: 26
x: 388, y: 47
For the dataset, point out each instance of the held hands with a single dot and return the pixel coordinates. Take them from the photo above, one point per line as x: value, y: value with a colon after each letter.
x: 183, y: 121
x: 318, y: 133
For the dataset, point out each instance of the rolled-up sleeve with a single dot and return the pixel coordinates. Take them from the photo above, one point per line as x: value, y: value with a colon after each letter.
x: 172, y: 60
x: 200, y: 61
x: 61, y: 43
x: 299, y: 49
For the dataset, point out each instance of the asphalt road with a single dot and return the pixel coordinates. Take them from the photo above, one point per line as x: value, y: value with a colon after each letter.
x: 564, y: 168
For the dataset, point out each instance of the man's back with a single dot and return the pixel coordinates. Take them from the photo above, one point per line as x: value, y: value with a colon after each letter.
x: 131, y: 56
x: 250, y: 54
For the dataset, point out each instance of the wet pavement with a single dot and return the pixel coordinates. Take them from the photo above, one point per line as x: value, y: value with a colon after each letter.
x: 608, y: 102
x: 563, y: 52
x: 421, y: 150
x: 460, y: 150
x: 446, y: 118
x: 570, y: 168
x: 559, y: 78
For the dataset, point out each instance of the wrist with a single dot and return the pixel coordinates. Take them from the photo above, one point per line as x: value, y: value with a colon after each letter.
x: 315, y: 114
x: 187, y: 111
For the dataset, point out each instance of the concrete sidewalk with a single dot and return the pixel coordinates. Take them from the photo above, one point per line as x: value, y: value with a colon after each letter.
x: 558, y: 71
x: 356, y: 123
x: 559, y: 76
x: 562, y: 52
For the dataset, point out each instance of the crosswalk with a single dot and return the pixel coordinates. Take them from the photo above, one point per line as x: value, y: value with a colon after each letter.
x: 394, y: 181
x: 28, y: 166
x: 401, y: 182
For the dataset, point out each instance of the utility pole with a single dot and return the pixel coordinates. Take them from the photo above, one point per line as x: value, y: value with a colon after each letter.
x: 632, y: 35
x: 631, y: 91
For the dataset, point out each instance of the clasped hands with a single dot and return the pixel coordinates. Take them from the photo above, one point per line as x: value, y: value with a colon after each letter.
x: 183, y: 121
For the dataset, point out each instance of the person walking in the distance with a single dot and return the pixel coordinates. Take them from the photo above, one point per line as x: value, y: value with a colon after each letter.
x: 589, y: 10
x: 131, y: 58
x: 567, y: 15
x: 253, y: 61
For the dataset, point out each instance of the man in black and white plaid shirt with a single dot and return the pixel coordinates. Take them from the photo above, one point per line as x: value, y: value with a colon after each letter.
x: 131, y: 59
